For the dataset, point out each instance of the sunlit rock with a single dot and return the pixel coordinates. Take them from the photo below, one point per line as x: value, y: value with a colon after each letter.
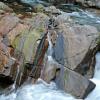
x: 78, y: 40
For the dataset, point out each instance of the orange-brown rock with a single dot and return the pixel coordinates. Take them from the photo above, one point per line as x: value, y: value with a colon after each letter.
x: 7, y: 23
x: 4, y: 53
x: 19, y: 29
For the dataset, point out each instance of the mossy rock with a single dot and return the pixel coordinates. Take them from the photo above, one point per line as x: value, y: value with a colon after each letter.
x: 27, y: 44
x: 39, y: 8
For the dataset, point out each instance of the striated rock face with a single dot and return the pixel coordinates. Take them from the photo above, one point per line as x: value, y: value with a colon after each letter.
x: 9, y: 22
x: 79, y: 43
x: 76, y: 84
x: 75, y: 48
x: 23, y: 44
x: 6, y: 50
x: 81, y: 39
x: 19, y: 40
x: 68, y: 80
x: 78, y: 39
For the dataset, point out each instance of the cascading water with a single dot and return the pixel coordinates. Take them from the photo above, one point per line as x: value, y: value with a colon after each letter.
x: 95, y: 95
x: 50, y: 50
x: 14, y: 85
x: 41, y: 90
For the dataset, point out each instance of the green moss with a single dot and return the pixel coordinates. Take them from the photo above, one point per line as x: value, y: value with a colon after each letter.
x: 30, y: 44
x: 16, y: 42
x: 39, y: 8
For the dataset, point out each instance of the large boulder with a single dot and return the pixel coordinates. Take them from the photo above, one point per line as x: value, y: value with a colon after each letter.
x: 79, y: 40
x: 76, y: 84
x: 67, y: 80
x: 75, y: 45
x: 19, y: 40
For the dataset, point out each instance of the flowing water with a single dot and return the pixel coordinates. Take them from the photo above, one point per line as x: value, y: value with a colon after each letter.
x: 14, y: 84
x: 95, y: 95
x: 44, y: 91
x: 41, y: 90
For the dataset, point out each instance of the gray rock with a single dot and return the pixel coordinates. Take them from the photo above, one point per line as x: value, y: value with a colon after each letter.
x: 67, y: 80
x: 78, y: 40
x: 59, y: 49
x: 76, y: 84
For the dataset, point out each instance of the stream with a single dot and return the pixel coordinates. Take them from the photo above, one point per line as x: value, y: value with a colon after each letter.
x: 45, y: 91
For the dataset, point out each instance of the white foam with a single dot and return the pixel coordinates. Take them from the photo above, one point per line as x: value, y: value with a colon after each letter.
x: 95, y: 95
x: 41, y: 91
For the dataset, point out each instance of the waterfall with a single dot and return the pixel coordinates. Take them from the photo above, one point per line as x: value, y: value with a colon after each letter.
x: 50, y: 50
x: 14, y: 85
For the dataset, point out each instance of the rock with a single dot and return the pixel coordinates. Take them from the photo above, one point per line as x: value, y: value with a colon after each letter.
x: 39, y: 8
x: 3, y: 57
x: 19, y: 44
x: 5, y: 64
x: 58, y: 53
x: 56, y: 1
x: 78, y: 40
x: 67, y: 80
x: 19, y: 40
x: 7, y: 23
x: 39, y: 57
x: 64, y: 18
x: 87, y: 66
x: 38, y: 21
x: 89, y: 3
x: 52, y: 10
x: 49, y: 71
x: 10, y: 28
x: 5, y: 7
x: 25, y: 48
x: 27, y: 43
x: 19, y: 29
x: 76, y: 84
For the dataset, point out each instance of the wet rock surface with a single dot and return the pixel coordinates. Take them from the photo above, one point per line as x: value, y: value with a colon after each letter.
x: 79, y: 39
x: 81, y: 86
x: 67, y: 80
x: 18, y: 45
x: 58, y: 53
x: 24, y: 49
